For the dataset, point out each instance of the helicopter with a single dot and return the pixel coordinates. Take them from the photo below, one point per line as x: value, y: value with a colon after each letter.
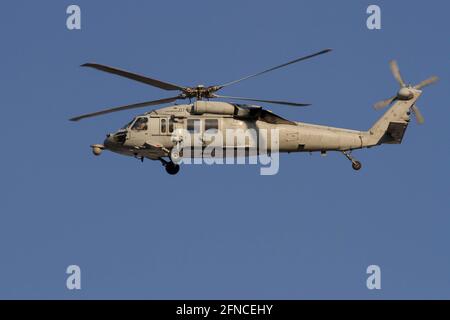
x: 155, y: 135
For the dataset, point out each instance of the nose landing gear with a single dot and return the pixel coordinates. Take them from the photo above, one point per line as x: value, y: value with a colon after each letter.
x: 356, y: 165
x: 171, y: 167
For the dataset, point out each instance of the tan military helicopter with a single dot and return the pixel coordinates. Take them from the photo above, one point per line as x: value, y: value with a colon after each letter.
x: 153, y: 135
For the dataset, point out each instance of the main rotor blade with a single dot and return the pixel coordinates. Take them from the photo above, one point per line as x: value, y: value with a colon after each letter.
x: 127, y: 107
x: 419, y: 117
x: 266, y: 101
x: 396, y: 72
x: 384, y: 103
x: 274, y: 68
x: 133, y: 76
x: 426, y: 82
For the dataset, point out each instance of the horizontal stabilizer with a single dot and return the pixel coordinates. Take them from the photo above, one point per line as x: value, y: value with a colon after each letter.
x: 395, y: 132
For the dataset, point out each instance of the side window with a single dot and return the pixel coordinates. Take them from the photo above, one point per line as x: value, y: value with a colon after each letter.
x: 193, y: 125
x: 140, y: 124
x: 170, y: 125
x: 212, y: 125
x: 163, y: 126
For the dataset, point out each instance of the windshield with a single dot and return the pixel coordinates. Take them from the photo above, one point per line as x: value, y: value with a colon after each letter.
x: 127, y: 125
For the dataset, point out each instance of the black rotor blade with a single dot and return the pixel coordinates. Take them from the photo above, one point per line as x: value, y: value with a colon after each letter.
x: 133, y: 76
x: 277, y: 67
x: 127, y: 107
x: 295, y: 104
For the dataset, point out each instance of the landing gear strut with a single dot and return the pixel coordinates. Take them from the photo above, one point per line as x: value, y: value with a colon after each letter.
x: 356, y: 165
x: 171, y: 167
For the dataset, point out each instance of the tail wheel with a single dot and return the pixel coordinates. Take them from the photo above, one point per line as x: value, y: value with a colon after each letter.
x: 172, y: 168
x: 356, y: 165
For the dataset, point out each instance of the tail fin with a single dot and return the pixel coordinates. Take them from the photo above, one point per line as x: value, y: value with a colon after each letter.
x: 391, y: 127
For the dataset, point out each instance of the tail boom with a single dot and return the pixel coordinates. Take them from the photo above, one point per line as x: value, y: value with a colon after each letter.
x: 391, y: 127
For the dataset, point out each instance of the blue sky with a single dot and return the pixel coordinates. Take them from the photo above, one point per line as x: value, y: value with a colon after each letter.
x: 218, y: 232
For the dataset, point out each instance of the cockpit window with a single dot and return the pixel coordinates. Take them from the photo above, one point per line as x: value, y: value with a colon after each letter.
x: 140, y: 124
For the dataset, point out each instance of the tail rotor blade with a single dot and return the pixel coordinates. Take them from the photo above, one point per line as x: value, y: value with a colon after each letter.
x: 419, y: 117
x: 426, y: 82
x: 396, y: 72
x: 383, y: 104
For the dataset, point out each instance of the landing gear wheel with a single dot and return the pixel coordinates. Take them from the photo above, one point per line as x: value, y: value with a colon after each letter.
x: 356, y: 165
x: 172, y: 168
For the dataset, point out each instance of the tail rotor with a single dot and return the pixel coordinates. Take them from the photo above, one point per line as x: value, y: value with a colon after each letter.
x: 405, y: 93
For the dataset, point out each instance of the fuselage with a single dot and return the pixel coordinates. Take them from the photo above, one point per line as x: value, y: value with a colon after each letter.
x: 237, y: 127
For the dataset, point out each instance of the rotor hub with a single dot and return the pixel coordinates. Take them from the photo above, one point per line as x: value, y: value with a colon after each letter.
x: 198, y: 92
x: 405, y: 94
